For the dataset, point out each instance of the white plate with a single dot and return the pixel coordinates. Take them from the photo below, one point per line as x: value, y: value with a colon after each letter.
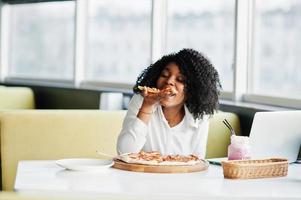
x: 84, y: 164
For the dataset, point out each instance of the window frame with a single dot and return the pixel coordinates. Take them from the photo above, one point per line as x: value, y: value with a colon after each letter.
x: 243, y: 54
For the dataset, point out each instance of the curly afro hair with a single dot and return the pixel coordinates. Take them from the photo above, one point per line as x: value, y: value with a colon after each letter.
x: 201, y: 86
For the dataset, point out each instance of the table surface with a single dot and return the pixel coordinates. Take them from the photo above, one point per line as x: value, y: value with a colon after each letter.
x: 46, y: 176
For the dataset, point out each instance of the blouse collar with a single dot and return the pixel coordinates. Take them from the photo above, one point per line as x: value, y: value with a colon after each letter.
x: 189, y: 118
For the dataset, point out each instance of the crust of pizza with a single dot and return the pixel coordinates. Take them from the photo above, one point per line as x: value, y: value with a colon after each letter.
x: 138, y: 161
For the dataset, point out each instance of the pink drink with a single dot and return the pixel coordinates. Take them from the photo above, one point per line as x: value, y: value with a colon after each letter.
x: 239, y: 149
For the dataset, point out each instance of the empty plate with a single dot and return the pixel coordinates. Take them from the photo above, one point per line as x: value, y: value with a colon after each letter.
x: 84, y: 164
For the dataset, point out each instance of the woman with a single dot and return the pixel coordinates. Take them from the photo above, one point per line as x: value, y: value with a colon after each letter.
x: 175, y: 120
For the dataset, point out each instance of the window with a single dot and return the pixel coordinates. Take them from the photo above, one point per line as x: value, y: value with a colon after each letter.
x: 113, y: 43
x: 41, y: 40
x: 119, y: 40
x: 207, y: 26
x: 277, y: 46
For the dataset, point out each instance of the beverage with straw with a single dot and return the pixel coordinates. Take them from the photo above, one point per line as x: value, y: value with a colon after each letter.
x: 239, y: 149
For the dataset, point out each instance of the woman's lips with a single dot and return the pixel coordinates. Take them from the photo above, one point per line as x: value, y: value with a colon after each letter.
x: 171, y: 90
x: 170, y: 97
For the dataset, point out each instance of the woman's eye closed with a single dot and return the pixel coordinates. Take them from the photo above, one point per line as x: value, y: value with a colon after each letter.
x: 165, y: 75
x: 180, y: 79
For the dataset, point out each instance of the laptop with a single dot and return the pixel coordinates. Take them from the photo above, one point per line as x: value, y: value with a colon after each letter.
x: 274, y: 134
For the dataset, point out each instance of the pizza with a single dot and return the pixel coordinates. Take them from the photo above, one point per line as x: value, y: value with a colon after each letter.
x: 155, y: 158
x: 156, y: 90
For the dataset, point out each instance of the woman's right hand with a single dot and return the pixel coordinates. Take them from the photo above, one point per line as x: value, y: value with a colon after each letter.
x: 149, y: 102
x: 151, y: 99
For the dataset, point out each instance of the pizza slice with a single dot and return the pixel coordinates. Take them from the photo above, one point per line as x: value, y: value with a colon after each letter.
x: 156, y: 90
x: 149, y: 89
x: 180, y: 160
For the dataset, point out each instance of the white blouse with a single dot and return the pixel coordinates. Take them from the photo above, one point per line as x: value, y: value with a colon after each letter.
x: 187, y: 137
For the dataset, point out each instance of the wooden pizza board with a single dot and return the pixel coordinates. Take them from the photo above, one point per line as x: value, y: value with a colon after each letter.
x: 160, y: 168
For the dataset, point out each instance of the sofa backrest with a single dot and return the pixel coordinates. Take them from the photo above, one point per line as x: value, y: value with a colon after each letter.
x: 219, y: 134
x: 16, y: 98
x: 9, y: 195
x: 57, y: 134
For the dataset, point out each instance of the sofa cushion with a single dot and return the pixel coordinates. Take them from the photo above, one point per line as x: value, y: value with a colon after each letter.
x: 219, y: 134
x: 55, y: 134
x: 16, y: 98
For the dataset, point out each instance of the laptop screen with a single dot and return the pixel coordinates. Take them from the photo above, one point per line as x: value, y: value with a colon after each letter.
x: 276, y: 134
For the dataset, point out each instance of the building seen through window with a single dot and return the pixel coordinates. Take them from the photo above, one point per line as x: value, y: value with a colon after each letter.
x: 42, y: 40
x: 277, y: 47
x: 207, y: 26
x: 119, y: 40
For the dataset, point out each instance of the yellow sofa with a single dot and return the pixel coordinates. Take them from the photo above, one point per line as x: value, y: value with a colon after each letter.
x: 55, y: 134
x: 60, y: 196
x: 219, y: 135
x: 16, y: 98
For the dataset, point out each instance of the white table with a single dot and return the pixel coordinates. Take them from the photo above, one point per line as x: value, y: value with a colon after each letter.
x: 46, y: 176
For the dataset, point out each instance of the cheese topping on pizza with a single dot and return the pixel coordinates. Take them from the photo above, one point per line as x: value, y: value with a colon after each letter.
x: 155, y: 158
